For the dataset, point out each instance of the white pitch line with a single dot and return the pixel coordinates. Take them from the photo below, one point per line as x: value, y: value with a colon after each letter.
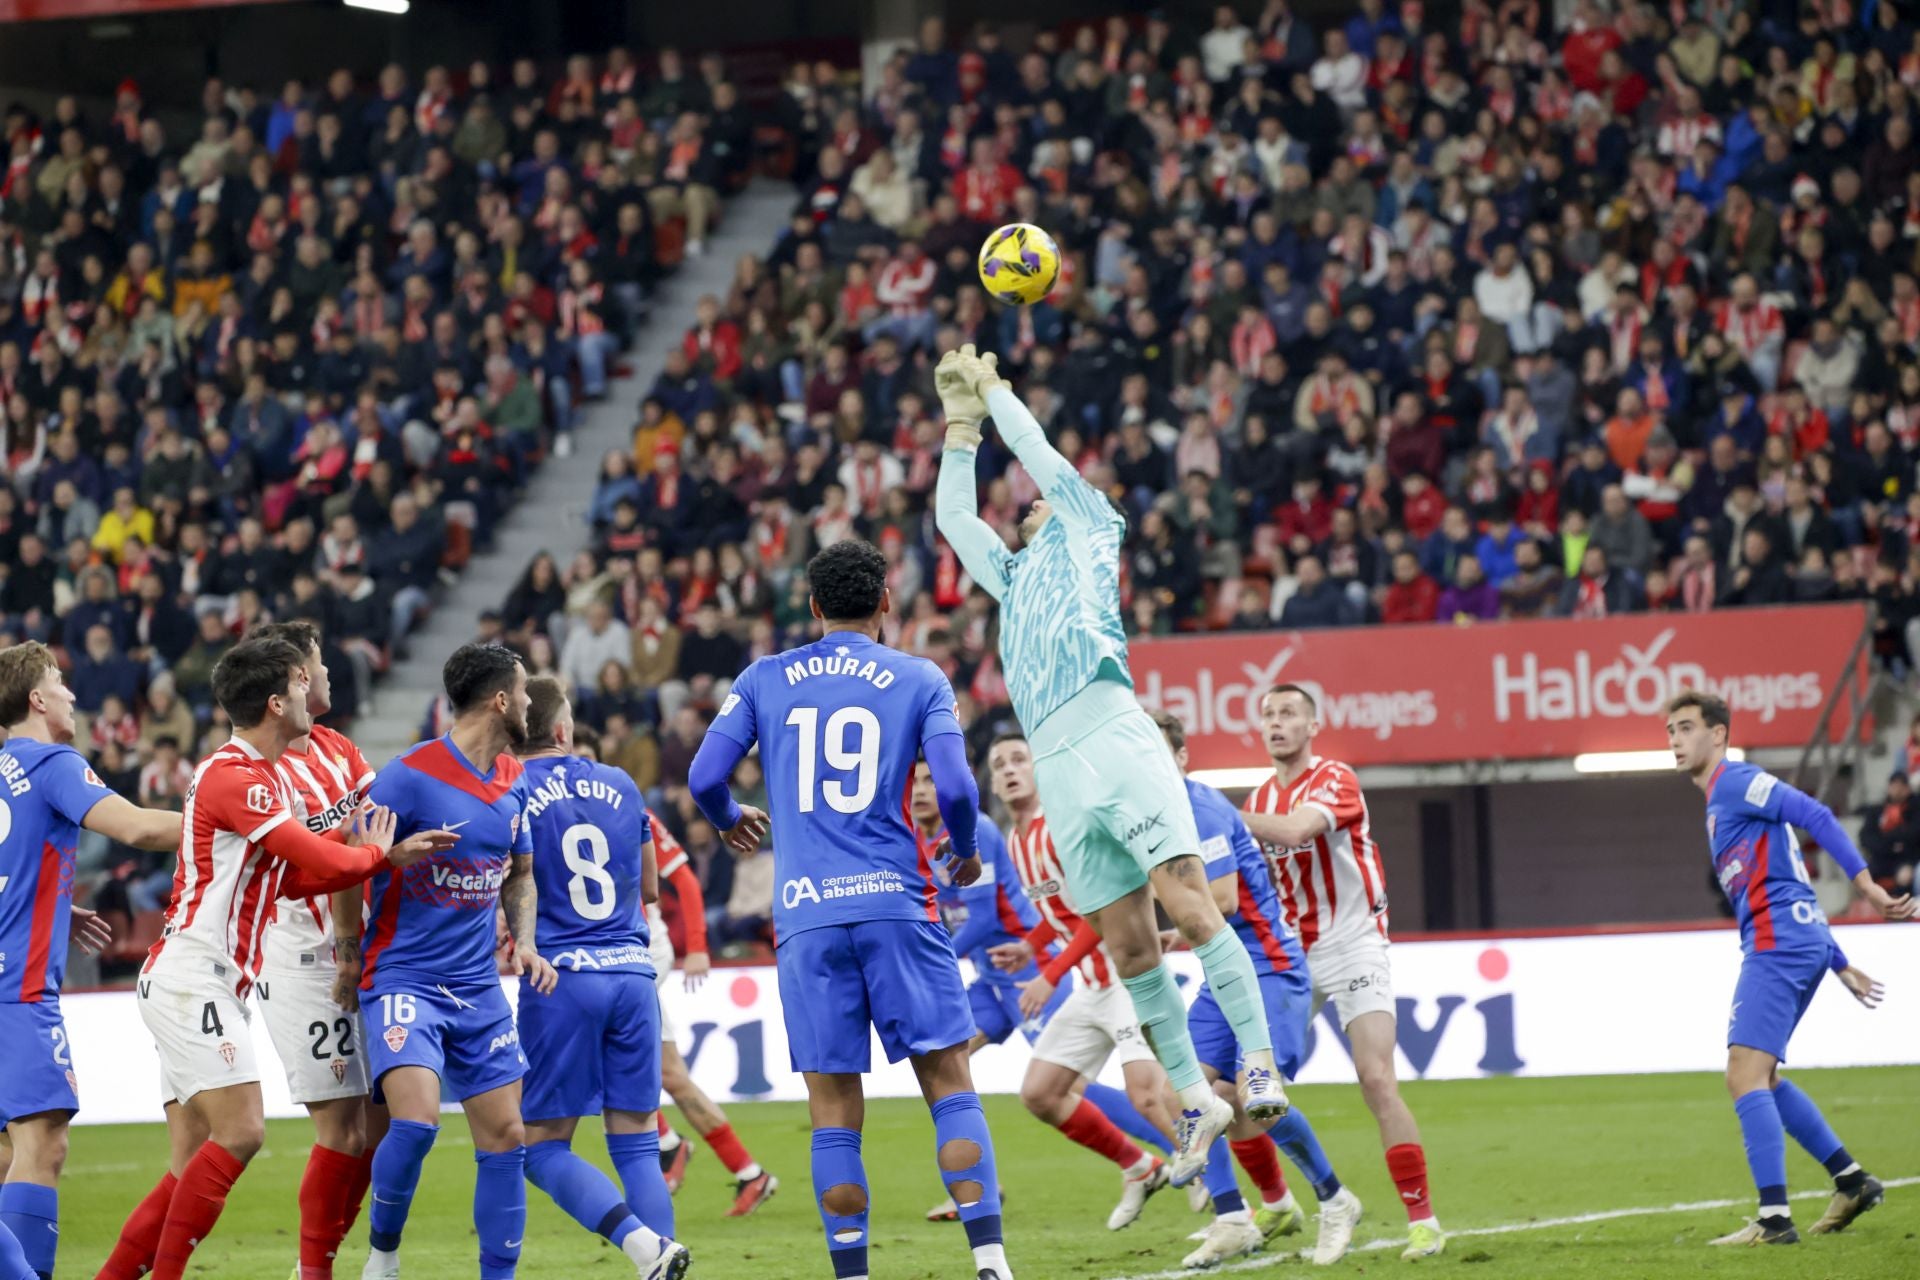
x: 1262, y: 1261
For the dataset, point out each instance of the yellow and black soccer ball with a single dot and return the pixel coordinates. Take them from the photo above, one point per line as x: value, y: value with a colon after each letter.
x: 1019, y: 264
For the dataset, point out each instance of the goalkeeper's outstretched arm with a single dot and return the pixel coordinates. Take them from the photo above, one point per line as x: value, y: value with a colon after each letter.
x: 1073, y: 499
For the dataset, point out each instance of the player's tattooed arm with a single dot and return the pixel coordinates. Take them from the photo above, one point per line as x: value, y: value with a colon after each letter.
x: 347, y: 909
x: 520, y: 901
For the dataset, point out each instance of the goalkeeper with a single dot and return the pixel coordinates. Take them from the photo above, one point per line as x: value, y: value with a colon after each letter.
x: 1116, y: 805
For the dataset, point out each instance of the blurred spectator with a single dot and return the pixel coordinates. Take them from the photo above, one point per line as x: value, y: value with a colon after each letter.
x: 1890, y: 835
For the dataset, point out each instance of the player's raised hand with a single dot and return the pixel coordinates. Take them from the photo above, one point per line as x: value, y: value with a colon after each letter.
x: 745, y: 835
x: 1011, y: 957
x: 1034, y: 995
x: 695, y: 968
x: 531, y: 964
x: 959, y: 401
x: 1864, y: 989
x: 90, y: 933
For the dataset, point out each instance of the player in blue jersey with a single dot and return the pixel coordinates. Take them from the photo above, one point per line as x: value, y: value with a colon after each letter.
x: 593, y: 1046
x: 1120, y: 820
x: 429, y: 990
x: 47, y: 793
x: 1788, y: 949
x: 991, y: 912
x: 840, y: 724
x: 1243, y: 889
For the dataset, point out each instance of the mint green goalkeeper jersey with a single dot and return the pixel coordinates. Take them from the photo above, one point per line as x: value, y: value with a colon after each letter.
x: 1060, y: 595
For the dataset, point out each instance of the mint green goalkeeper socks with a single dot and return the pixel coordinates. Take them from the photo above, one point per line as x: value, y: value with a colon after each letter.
x: 1163, y: 1019
x: 1236, y: 990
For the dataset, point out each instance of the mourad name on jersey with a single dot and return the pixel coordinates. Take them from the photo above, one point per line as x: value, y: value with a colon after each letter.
x: 838, y: 663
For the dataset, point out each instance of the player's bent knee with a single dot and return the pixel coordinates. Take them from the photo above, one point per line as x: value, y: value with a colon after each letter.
x: 845, y: 1199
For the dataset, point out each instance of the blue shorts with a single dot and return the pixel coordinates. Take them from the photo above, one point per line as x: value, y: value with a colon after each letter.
x: 465, y: 1035
x: 593, y: 1044
x: 1289, y: 1000
x: 996, y: 1008
x: 39, y: 1075
x: 898, y: 976
x: 1772, y: 996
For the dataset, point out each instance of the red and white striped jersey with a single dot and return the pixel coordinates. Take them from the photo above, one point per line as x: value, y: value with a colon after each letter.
x: 1046, y: 884
x: 225, y: 886
x: 326, y: 783
x: 1335, y: 888
x: 670, y: 852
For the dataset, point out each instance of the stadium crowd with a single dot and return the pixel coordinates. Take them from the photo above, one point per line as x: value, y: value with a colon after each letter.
x: 295, y: 360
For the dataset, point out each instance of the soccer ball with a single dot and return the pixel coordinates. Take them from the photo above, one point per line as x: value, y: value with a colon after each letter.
x: 1019, y: 264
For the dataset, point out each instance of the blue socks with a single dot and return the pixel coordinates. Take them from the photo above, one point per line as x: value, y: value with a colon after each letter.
x: 583, y: 1192
x: 13, y: 1260
x: 1118, y: 1107
x: 1218, y: 1177
x: 636, y: 1157
x: 500, y: 1210
x: 1293, y: 1135
x: 1163, y: 1020
x: 958, y: 1118
x: 1798, y: 1115
x: 1766, y: 1142
x: 836, y: 1163
x: 1236, y: 990
x: 396, y: 1173
x: 32, y: 1213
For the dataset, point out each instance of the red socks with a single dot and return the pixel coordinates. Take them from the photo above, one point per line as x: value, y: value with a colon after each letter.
x: 196, y: 1206
x: 324, y: 1207
x: 357, y: 1190
x: 140, y: 1238
x: 1089, y: 1126
x: 1407, y: 1164
x: 1261, y: 1159
x: 724, y: 1144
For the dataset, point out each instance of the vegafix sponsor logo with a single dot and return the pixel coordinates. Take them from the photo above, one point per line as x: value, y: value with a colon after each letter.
x: 1227, y: 701
x: 1637, y: 681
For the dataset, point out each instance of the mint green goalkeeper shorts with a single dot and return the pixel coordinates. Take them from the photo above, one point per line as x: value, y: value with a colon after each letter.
x: 1115, y: 802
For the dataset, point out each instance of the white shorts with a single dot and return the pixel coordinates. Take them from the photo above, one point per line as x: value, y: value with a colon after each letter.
x: 200, y: 1029
x: 321, y: 1045
x: 1355, y: 975
x: 1091, y: 1025
x: 660, y: 946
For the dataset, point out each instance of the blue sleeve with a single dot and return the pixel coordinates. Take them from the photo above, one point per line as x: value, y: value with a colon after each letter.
x: 1836, y: 958
x: 70, y: 786
x: 707, y: 778
x: 1242, y: 843
x: 738, y: 718
x: 523, y: 829
x: 938, y: 711
x: 955, y: 790
x: 1803, y: 811
x: 1216, y: 842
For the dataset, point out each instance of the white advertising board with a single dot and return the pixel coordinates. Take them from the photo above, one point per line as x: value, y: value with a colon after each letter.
x: 1602, y: 1004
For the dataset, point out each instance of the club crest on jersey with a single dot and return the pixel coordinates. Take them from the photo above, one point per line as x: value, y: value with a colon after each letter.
x: 513, y: 829
x: 339, y: 1070
x: 92, y: 778
x: 396, y: 1037
x: 73, y: 1083
x: 260, y: 798
x: 227, y: 1050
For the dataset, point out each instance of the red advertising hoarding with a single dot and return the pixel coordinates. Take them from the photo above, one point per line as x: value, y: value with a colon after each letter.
x: 1510, y: 691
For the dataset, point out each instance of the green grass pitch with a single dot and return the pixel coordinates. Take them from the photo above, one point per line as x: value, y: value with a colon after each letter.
x: 1503, y: 1154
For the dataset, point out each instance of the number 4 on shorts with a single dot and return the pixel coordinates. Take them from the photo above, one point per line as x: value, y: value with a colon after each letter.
x: 210, y: 1020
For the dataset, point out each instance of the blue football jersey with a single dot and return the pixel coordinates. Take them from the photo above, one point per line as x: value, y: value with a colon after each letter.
x: 992, y: 910
x: 589, y: 824
x: 1226, y: 845
x: 48, y: 790
x: 840, y: 723
x: 1757, y: 860
x: 432, y: 923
